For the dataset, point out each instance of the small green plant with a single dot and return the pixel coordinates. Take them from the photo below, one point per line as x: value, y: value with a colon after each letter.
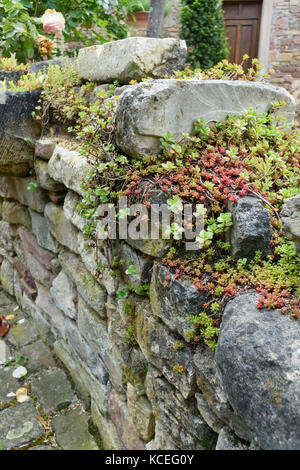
x: 179, y: 369
x: 11, y: 64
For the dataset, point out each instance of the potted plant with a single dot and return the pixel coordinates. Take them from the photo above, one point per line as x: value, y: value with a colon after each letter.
x: 138, y: 11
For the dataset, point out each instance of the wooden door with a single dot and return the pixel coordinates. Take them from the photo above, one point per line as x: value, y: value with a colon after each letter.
x: 242, y: 21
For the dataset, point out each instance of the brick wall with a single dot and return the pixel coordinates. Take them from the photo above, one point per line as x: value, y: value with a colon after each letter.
x: 285, y: 46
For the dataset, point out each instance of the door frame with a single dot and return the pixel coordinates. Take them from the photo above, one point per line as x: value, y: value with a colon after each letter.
x: 264, y: 32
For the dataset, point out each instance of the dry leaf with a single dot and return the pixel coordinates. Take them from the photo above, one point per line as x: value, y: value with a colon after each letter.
x: 43, y: 422
x: 4, y: 326
x: 10, y: 317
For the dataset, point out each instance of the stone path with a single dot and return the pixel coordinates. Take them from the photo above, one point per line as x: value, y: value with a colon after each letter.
x: 52, y: 417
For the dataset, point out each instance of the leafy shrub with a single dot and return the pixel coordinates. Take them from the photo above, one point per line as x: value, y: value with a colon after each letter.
x: 202, y: 26
x: 88, y: 22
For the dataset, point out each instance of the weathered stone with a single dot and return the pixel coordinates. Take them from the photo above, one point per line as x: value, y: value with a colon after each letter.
x: 157, y: 344
x: 22, y: 334
x: 140, y: 410
x: 39, y: 356
x: 31, y: 246
x: 19, y: 189
x: 119, y: 90
x: 11, y: 75
x: 135, y: 364
x: 162, y: 440
x: 258, y: 357
x: 6, y: 236
x: 155, y: 248
x: 7, y: 276
x: 147, y: 111
x: 227, y: 440
x: 17, y: 131
x: 57, y: 196
x: 53, y: 390
x: 43, y: 178
x: 131, y: 59
x: 41, y: 230
x: 142, y: 264
x: 251, y: 230
x: 15, y: 213
x: 24, y: 280
x: 290, y: 216
x: 54, y: 316
x: 62, y: 230
x: 86, y: 384
x: 119, y: 414
x: 89, y: 289
x: 68, y: 167
x: 211, y: 386
x: 107, y: 431
x: 85, y: 352
x: 175, y: 303
x: 71, y: 201
x: 4, y: 191
x: 4, y: 350
x: 19, y: 426
x: 207, y: 414
x: 94, y: 330
x: 72, y: 431
x: 8, y: 384
x: 41, y: 325
x: 178, y: 416
x: 44, y: 148
x: 64, y: 295
x: 92, y: 258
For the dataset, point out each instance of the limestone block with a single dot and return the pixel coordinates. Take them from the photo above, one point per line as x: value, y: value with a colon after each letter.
x: 131, y: 59
x: 69, y: 168
x: 147, y: 111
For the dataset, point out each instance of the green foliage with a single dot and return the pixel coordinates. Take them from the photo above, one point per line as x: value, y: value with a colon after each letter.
x: 224, y: 70
x: 18, y: 29
x: 11, y: 64
x: 250, y: 154
x: 202, y: 26
x: 21, y: 23
x: 28, y: 82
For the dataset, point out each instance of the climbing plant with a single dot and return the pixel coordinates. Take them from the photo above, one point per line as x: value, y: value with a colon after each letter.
x: 202, y: 26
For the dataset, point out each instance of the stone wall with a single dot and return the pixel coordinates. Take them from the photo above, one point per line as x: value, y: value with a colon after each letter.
x: 122, y: 353
x: 285, y: 46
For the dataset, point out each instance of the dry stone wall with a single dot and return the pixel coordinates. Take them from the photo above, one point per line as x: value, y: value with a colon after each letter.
x: 244, y: 396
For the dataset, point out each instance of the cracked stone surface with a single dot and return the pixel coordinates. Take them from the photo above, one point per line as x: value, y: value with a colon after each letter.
x: 53, y: 418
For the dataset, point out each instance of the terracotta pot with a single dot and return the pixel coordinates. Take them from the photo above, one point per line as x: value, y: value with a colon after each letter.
x: 141, y: 18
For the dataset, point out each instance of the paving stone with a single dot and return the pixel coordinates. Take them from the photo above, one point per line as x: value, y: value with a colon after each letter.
x: 39, y: 356
x: 22, y: 334
x: 8, y: 384
x: 4, y: 351
x: 53, y: 390
x: 71, y: 431
x: 19, y: 426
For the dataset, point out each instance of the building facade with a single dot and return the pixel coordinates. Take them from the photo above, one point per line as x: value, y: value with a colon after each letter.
x: 266, y: 29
